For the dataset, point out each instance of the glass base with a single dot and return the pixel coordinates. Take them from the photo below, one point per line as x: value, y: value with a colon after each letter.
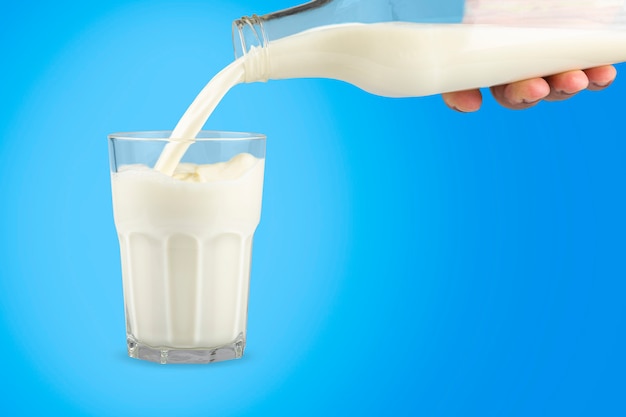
x: 164, y: 354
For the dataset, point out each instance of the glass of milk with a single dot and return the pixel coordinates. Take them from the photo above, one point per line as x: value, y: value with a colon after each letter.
x: 186, y: 242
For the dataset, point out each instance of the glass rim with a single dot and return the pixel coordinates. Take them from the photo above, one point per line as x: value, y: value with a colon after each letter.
x: 203, y: 136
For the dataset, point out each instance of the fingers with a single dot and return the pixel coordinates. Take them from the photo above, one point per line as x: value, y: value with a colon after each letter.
x: 522, y: 94
x: 463, y: 101
x: 600, y: 77
x: 525, y: 94
x: 566, y: 84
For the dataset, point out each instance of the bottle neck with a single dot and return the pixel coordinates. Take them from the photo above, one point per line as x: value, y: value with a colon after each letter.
x: 251, y: 32
x: 250, y: 42
x: 248, y: 33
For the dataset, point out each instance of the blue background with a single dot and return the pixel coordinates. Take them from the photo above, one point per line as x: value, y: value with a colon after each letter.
x: 410, y: 260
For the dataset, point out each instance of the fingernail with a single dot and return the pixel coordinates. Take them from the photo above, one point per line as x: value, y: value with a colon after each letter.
x: 565, y: 93
x: 455, y: 108
x: 601, y: 85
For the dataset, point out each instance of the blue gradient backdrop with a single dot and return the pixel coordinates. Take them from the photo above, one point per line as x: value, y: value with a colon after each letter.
x: 410, y: 261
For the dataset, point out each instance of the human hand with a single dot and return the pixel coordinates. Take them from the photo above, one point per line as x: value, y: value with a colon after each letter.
x: 524, y: 94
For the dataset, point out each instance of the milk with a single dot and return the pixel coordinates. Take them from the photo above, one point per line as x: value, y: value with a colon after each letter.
x: 186, y: 244
x: 397, y: 59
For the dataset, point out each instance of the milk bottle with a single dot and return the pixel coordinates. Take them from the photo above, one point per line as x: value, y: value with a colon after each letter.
x: 401, y: 48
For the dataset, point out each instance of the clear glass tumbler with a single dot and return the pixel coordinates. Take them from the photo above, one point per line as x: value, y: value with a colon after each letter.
x: 186, y: 243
